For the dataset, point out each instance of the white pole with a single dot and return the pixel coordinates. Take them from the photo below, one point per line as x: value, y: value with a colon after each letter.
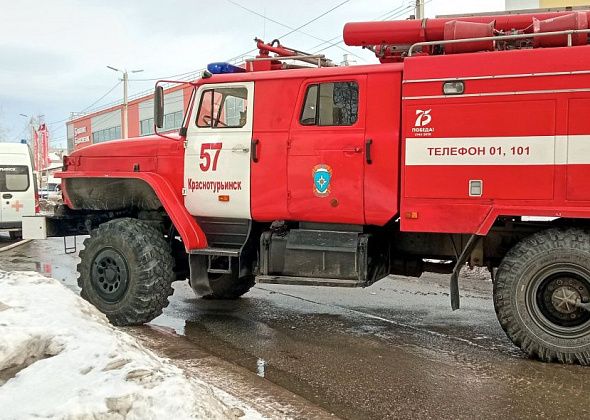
x: 419, y: 9
x: 125, y: 106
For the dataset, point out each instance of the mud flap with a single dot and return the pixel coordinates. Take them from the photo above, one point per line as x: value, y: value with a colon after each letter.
x: 199, y: 277
x: 455, y: 299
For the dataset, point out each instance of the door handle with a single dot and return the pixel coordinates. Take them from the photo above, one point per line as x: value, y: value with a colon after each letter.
x: 368, y: 146
x: 254, y: 150
x: 240, y: 149
x: 7, y: 196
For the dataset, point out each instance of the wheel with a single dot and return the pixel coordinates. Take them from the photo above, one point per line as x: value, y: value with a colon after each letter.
x: 216, y: 285
x: 126, y: 271
x: 229, y: 286
x: 538, y: 288
x: 15, y: 234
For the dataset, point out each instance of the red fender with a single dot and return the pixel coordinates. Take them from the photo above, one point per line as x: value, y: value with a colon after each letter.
x: 191, y: 233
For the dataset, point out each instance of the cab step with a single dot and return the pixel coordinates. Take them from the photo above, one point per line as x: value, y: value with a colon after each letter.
x: 219, y: 252
x: 219, y: 260
x: 307, y: 281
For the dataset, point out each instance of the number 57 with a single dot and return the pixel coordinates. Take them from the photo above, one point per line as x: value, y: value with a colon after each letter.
x: 206, y: 150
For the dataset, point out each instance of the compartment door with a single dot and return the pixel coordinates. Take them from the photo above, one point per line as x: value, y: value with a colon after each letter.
x: 578, y: 150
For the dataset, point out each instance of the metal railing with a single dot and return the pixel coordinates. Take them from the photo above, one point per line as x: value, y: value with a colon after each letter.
x: 569, y: 34
x: 319, y: 59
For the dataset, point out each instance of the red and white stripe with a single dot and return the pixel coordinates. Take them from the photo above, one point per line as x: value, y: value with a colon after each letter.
x: 542, y: 150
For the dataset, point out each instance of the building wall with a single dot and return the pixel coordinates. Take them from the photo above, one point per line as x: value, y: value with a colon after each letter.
x: 133, y: 119
x: 106, y: 126
x: 106, y: 120
x: 82, y: 133
x: 563, y: 3
x: 107, y: 123
x: 70, y: 136
x: 174, y: 105
x: 540, y: 4
x: 522, y: 4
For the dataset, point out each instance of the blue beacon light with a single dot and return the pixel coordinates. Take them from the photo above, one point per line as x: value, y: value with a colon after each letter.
x: 224, y: 68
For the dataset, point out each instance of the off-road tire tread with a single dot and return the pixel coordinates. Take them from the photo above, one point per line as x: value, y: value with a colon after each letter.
x: 154, y: 272
x: 509, y: 271
x: 233, y: 291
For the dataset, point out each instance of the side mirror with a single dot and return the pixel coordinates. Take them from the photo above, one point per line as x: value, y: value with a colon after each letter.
x: 159, y: 107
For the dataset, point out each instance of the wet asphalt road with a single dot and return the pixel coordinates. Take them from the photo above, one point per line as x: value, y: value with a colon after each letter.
x: 393, y: 350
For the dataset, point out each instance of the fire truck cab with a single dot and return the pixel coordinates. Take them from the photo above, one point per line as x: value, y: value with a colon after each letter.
x: 445, y: 154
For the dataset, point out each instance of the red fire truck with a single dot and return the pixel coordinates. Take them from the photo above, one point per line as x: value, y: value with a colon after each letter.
x: 468, y: 144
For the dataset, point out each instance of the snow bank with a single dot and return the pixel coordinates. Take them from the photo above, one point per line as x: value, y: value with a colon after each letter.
x: 60, y: 358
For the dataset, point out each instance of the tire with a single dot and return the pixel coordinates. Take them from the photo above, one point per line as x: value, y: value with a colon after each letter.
x: 229, y: 287
x: 223, y: 286
x: 15, y: 234
x: 537, y: 286
x: 126, y: 271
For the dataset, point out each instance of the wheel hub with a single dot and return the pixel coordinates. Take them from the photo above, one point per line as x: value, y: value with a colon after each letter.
x: 558, y: 299
x: 110, y: 275
x: 565, y: 298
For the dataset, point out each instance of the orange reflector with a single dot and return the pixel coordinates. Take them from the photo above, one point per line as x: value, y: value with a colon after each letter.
x: 223, y: 198
x: 412, y: 215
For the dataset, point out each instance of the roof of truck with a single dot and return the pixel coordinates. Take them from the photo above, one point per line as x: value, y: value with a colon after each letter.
x: 486, y: 63
x: 303, y: 73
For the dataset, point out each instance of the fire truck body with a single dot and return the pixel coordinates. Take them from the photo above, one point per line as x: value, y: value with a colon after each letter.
x: 514, y: 144
x: 339, y: 176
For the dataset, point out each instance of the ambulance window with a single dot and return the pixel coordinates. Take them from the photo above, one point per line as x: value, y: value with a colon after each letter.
x: 223, y: 108
x: 331, y: 104
x: 14, y: 178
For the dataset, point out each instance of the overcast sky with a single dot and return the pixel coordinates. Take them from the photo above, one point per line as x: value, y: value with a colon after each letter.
x: 53, y: 53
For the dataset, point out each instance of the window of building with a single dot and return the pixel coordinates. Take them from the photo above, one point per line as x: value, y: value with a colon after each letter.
x: 146, y: 127
x: 172, y: 121
x: 223, y: 108
x: 330, y: 104
x: 112, y: 133
x: 14, y: 178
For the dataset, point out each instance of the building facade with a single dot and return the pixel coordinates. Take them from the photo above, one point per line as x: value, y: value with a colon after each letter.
x: 543, y: 4
x: 106, y: 124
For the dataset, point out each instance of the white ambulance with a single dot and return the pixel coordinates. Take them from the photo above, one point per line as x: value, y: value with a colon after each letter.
x: 18, y: 189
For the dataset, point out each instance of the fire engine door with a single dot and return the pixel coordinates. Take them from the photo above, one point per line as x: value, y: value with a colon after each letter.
x: 326, y: 153
x: 217, y: 156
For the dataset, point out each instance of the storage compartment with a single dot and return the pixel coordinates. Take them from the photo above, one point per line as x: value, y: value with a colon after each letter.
x: 318, y: 254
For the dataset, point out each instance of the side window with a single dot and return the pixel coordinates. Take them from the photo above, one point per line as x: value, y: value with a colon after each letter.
x: 223, y: 108
x: 310, y: 106
x: 331, y: 104
x: 14, y: 179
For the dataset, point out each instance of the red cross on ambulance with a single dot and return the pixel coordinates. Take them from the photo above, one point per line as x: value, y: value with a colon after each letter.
x: 17, y: 205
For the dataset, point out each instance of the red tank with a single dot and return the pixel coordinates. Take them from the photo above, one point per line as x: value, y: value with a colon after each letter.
x: 457, y: 29
x: 561, y: 23
x: 411, y: 31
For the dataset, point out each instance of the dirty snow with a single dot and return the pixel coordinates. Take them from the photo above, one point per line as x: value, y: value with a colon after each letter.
x: 60, y: 358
